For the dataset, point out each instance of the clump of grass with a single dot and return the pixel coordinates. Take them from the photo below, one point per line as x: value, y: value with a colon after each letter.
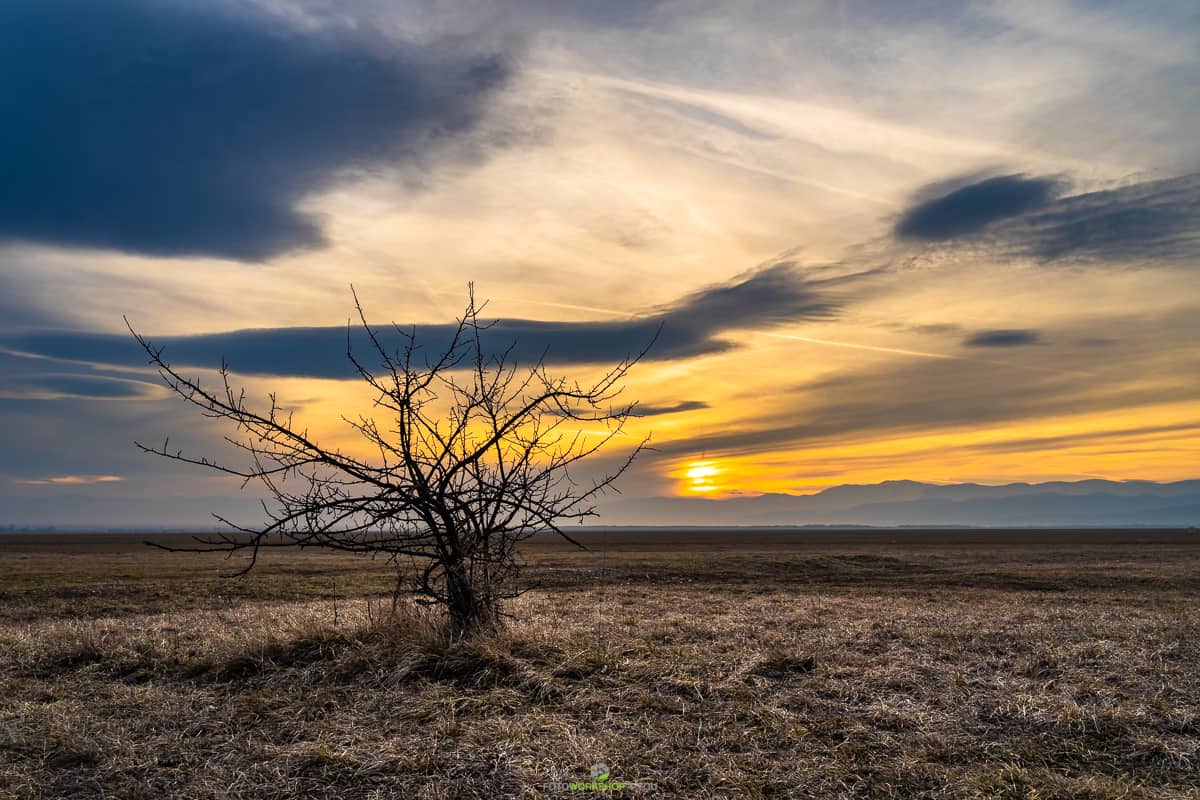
x: 783, y: 666
x: 275, y: 654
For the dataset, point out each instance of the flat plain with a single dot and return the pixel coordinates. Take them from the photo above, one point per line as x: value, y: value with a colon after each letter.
x: 698, y: 664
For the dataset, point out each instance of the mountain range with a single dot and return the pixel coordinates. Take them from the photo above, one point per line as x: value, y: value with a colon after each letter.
x: 1089, y: 503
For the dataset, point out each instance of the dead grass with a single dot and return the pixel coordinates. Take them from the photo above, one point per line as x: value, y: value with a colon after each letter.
x: 896, y: 677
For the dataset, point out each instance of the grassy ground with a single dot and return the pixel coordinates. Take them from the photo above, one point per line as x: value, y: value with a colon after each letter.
x: 942, y: 664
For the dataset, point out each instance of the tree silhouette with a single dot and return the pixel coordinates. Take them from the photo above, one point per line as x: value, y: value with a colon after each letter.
x: 476, y: 456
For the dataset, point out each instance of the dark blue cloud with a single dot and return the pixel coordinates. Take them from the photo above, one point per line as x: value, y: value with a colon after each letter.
x: 691, y: 327
x: 674, y: 408
x: 182, y: 127
x: 1003, y: 338
x: 23, y: 378
x: 1021, y: 217
x: 1146, y: 221
x: 969, y: 209
x: 100, y: 387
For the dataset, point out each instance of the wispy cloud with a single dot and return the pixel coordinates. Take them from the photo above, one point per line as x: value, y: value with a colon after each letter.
x: 1143, y: 222
x: 1155, y: 221
x: 890, y: 398
x: 69, y: 480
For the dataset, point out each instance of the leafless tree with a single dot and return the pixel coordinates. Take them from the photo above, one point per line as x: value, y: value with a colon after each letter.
x: 475, y: 453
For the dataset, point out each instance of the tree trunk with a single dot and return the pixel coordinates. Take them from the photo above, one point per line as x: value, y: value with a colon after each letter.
x: 467, y: 612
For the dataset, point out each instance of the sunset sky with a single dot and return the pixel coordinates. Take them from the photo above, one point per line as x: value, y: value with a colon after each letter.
x: 934, y: 241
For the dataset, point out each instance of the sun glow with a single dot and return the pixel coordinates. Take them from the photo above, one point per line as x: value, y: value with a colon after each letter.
x: 700, y: 476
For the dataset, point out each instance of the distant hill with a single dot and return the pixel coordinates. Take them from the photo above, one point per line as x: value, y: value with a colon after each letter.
x: 1090, y: 503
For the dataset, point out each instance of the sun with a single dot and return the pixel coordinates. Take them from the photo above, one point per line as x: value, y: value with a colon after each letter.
x: 700, y: 476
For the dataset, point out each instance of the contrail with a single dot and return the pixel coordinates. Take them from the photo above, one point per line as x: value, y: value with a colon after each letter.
x: 923, y: 354
x: 871, y: 347
x: 611, y: 311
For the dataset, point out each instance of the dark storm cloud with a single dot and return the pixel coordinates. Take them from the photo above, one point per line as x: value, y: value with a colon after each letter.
x: 969, y: 209
x: 1003, y: 338
x: 180, y: 127
x: 691, y: 327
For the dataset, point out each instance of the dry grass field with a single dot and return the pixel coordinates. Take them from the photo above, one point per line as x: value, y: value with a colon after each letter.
x: 893, y: 664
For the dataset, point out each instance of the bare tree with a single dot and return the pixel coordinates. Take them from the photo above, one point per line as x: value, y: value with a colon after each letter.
x: 475, y: 456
